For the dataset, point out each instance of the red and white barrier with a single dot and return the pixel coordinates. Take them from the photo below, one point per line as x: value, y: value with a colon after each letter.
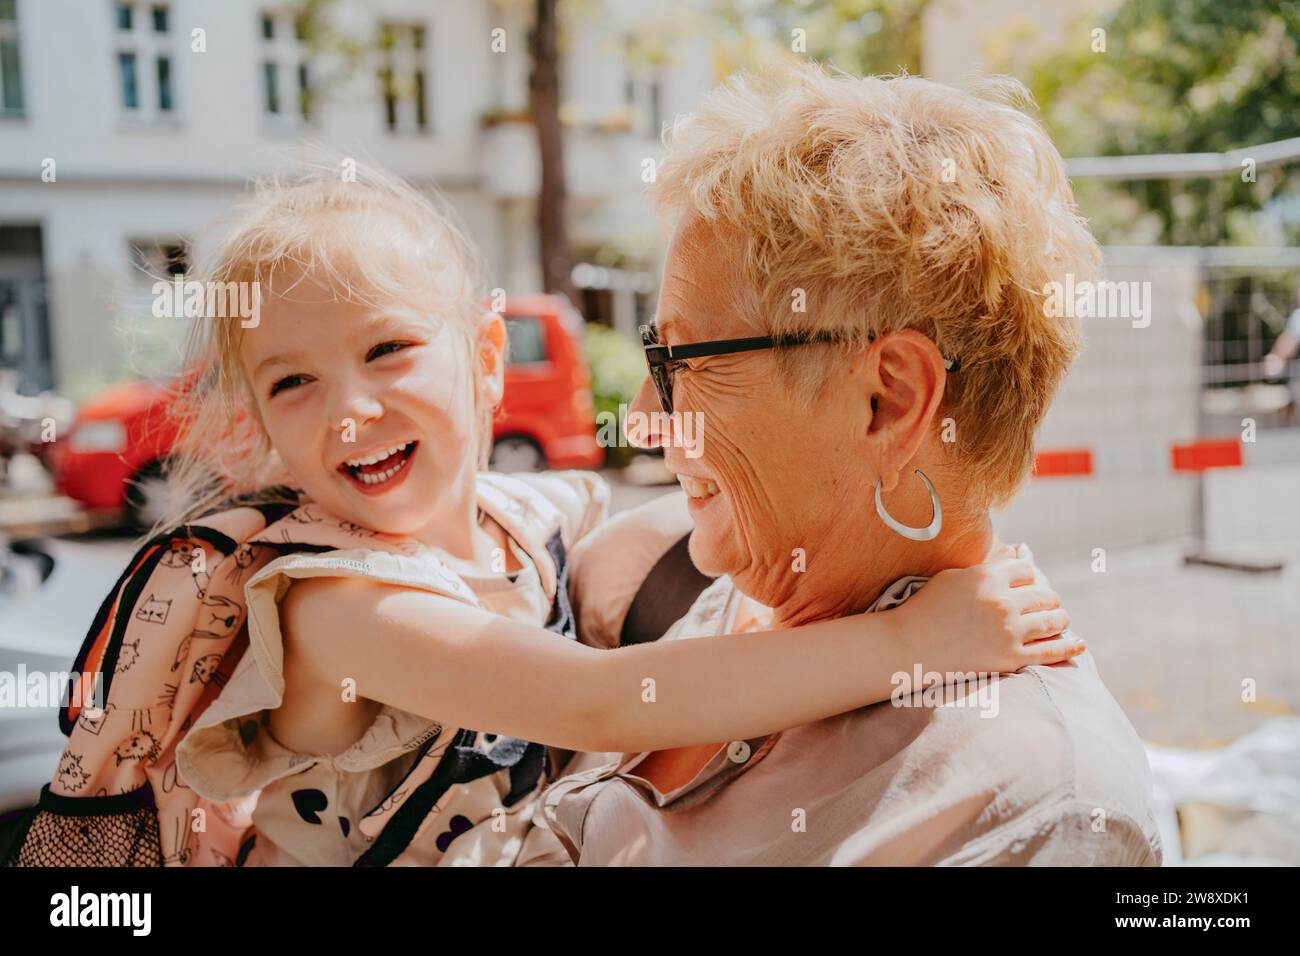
x: 1194, y: 458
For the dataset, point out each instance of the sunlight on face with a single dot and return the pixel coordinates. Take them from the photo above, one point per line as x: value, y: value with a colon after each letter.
x: 772, y: 476
x: 371, y: 409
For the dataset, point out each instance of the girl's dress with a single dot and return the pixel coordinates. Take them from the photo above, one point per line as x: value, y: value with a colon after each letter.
x: 410, y: 791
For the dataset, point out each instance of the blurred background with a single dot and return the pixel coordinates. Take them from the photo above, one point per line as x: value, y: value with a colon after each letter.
x: 1166, y: 502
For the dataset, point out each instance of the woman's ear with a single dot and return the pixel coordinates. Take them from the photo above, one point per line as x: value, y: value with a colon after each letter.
x: 491, y: 354
x: 906, y: 390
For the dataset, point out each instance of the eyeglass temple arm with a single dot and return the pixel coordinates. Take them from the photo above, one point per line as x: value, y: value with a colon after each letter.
x: 755, y: 343
x: 724, y: 347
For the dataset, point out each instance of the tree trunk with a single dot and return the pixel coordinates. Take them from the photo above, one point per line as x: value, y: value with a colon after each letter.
x: 544, y: 102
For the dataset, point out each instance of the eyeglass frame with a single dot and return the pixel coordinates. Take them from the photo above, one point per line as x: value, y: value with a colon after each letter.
x: 664, y: 360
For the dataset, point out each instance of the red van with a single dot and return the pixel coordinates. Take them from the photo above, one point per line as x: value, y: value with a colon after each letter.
x: 546, y: 419
x: 115, y: 454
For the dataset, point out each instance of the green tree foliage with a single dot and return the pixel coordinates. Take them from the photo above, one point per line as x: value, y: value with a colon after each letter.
x: 1181, y: 76
x: 861, y: 36
x: 617, y: 368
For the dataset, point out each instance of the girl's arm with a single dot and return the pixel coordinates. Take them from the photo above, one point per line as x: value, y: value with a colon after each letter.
x: 467, y: 667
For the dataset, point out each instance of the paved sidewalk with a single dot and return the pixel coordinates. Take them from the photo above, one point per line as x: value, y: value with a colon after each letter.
x: 1175, y: 642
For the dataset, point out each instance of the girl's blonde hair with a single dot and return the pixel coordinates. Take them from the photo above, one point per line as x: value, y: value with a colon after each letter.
x: 367, y: 235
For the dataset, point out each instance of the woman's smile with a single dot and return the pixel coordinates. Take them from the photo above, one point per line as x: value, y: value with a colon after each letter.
x: 698, y: 489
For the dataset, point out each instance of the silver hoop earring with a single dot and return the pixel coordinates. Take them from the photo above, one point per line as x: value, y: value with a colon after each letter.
x: 930, y: 531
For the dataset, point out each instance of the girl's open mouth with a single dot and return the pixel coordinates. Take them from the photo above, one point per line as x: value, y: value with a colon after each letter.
x: 381, y: 470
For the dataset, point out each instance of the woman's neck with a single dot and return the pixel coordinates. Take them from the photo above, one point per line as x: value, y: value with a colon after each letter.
x: 843, y: 586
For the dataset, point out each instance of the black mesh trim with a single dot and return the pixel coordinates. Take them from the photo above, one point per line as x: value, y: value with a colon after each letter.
x: 115, y: 831
x: 138, y: 799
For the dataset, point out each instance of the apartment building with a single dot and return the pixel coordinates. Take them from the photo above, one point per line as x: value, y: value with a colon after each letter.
x: 130, y: 125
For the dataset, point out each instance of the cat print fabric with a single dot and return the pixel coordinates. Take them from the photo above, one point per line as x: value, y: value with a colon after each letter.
x: 159, y: 658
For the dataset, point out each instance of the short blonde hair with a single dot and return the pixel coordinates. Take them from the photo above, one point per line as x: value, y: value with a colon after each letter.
x: 369, y: 236
x: 897, y: 203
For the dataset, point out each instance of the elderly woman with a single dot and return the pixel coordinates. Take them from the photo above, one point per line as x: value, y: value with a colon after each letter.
x: 852, y: 305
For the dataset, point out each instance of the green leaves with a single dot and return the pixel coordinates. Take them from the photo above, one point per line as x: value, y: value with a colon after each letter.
x: 1178, y: 76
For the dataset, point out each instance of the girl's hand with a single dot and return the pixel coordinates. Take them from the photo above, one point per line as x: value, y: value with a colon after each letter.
x: 992, y: 618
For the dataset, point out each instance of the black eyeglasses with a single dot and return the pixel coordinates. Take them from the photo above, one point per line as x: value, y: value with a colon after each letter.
x: 664, y: 361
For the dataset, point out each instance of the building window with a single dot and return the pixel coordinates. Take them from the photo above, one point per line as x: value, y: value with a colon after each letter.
x: 643, y: 92
x: 24, y: 315
x: 144, y: 59
x: 11, y: 327
x: 130, y: 93
x: 286, y: 81
x: 654, y: 111
x: 156, y: 341
x: 304, y: 92
x: 164, y: 84
x: 270, y: 91
x: 154, y: 259
x: 11, y: 74
x: 402, y: 78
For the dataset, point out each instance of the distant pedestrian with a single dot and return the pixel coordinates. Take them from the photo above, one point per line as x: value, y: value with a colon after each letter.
x: 1286, y: 346
x: 1284, y: 349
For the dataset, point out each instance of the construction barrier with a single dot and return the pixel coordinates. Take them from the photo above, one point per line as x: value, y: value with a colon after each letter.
x: 1196, y: 458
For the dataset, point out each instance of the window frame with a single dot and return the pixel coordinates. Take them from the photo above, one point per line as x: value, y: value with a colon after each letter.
x: 285, y: 56
x: 10, y: 33
x: 155, y: 76
x: 404, y: 64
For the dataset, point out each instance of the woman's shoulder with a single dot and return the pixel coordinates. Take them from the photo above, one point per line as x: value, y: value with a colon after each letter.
x: 611, y: 564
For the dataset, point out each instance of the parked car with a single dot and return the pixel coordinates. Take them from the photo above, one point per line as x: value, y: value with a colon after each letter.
x: 546, y: 419
x: 116, y: 453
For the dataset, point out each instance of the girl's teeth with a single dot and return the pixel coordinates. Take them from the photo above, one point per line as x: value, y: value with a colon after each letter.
x: 377, y: 456
x: 382, y: 476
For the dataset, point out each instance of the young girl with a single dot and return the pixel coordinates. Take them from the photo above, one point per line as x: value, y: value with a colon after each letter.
x: 417, y: 596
